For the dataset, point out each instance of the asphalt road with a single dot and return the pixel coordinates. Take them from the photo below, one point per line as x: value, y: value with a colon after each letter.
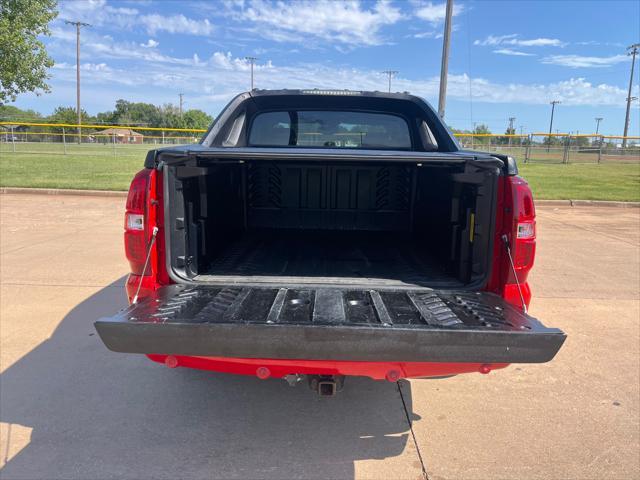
x: 71, y: 409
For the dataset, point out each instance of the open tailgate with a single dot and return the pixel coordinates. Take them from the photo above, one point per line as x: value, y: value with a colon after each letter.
x: 330, y: 324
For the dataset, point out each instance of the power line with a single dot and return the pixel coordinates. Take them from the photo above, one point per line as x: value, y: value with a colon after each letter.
x: 390, y: 74
x: 553, y: 108
x: 252, y: 60
x: 446, y: 41
x: 78, y: 26
x: 633, y: 51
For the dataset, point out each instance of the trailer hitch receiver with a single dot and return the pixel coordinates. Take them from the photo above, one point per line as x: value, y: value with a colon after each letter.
x: 326, y: 385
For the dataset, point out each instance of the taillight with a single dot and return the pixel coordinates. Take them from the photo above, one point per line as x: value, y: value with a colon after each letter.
x: 135, y: 225
x: 523, y: 241
x: 524, y: 233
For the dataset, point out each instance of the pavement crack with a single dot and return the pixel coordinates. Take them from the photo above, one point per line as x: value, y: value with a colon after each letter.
x: 425, y: 475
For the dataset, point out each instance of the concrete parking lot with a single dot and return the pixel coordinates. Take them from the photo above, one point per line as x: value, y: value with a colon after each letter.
x: 71, y: 409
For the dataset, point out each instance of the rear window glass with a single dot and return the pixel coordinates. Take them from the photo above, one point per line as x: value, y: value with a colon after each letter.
x: 328, y: 129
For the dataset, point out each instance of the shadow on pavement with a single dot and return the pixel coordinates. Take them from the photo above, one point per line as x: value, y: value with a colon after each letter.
x: 98, y: 414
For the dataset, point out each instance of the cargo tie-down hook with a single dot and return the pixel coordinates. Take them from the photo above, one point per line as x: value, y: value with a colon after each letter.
x: 146, y: 262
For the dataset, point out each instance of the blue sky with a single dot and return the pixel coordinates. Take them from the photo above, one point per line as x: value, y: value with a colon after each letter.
x: 508, y: 58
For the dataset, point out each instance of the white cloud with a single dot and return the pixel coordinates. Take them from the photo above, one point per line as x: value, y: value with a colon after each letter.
x: 161, y: 75
x: 226, y: 61
x: 100, y: 13
x: 97, y: 13
x: 344, y: 22
x: 176, y: 24
x: 605, y: 44
x: 151, y: 43
x: 578, y: 61
x: 435, y: 13
x: 95, y: 67
x: 424, y: 35
x: 512, y: 39
x: 515, y: 53
x: 538, y: 42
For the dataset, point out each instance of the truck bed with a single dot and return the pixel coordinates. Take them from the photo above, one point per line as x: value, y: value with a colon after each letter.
x: 330, y: 324
x: 388, y: 258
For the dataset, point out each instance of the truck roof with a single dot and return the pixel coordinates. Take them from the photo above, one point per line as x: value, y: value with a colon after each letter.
x: 256, y: 92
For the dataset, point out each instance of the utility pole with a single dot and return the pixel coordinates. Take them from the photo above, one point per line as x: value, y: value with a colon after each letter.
x: 181, y: 95
x: 78, y: 26
x: 553, y: 108
x: 252, y: 60
x: 633, y: 51
x: 390, y: 74
x: 511, y: 129
x: 444, y: 68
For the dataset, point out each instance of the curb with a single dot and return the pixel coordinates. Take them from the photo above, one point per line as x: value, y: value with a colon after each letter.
x: 122, y: 194
x: 586, y: 203
x: 62, y: 191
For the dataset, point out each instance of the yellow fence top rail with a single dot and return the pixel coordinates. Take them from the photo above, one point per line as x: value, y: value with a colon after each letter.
x: 71, y: 125
x: 199, y: 130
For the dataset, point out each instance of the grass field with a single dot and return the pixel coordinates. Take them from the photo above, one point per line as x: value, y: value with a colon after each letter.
x: 101, y: 167
x: 611, y: 181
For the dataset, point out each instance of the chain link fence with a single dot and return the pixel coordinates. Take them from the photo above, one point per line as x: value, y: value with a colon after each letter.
x: 89, y: 140
x: 132, y: 141
x: 557, y: 148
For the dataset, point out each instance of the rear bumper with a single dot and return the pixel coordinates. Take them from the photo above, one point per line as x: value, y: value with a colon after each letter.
x: 391, y: 371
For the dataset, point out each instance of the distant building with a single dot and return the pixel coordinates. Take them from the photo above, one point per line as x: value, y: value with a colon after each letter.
x: 120, y: 135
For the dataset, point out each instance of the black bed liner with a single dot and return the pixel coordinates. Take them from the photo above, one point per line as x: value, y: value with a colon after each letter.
x: 330, y: 324
x: 328, y: 257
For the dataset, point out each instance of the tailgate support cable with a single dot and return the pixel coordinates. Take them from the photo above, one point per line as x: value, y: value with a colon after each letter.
x: 146, y: 263
x: 505, y: 239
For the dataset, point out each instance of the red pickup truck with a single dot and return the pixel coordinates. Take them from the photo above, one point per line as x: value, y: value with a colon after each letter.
x: 319, y: 234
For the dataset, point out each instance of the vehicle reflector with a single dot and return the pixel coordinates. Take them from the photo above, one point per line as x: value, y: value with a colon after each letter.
x: 135, y: 221
x: 526, y: 230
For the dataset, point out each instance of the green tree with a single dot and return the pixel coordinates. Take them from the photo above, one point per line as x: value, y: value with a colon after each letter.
x: 11, y: 113
x: 67, y: 115
x: 105, y: 118
x: 136, y: 113
x: 170, y: 117
x: 23, y: 57
x: 197, y: 119
x: 482, y: 129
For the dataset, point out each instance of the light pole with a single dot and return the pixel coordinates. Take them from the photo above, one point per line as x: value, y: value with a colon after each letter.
x: 633, y: 51
x: 252, y: 60
x: 553, y: 108
x: 181, y: 95
x: 598, y: 120
x: 78, y: 25
x: 446, y: 40
x: 390, y: 74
